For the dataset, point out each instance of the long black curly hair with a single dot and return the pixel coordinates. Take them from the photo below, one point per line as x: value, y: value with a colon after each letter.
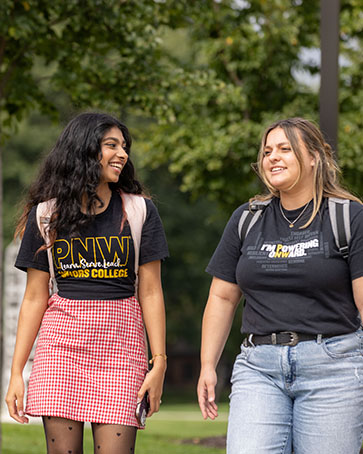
x: 71, y: 173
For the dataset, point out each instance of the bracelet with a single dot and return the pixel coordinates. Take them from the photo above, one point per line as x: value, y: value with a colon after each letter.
x: 158, y: 354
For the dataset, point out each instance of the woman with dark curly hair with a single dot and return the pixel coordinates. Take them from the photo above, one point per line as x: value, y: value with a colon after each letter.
x: 297, y: 384
x: 87, y: 223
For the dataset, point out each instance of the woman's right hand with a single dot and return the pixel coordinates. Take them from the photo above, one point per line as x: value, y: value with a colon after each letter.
x: 206, y: 392
x: 15, y: 399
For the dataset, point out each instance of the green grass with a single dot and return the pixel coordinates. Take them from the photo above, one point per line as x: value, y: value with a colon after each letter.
x: 164, y: 433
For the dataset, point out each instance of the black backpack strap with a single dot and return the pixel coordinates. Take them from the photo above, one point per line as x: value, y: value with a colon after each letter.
x: 249, y: 217
x: 340, y: 223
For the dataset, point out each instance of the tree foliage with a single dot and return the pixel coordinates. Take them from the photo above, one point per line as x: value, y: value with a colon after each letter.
x: 100, y: 52
x: 21, y: 157
x: 351, y: 95
x: 193, y: 230
x: 210, y: 103
x: 97, y: 53
x: 247, y: 67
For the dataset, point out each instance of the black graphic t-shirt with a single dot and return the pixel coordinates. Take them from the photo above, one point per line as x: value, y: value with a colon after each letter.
x: 292, y: 279
x: 99, y: 264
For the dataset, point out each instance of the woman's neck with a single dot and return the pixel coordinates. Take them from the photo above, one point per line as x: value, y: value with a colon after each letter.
x: 293, y: 201
x: 104, y: 193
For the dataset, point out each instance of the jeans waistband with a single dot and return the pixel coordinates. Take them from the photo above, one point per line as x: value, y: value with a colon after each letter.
x: 288, y: 338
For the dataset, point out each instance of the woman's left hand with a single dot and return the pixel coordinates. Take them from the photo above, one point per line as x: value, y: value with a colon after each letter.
x: 153, y: 384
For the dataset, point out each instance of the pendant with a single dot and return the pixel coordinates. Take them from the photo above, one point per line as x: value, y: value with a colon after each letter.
x: 291, y: 226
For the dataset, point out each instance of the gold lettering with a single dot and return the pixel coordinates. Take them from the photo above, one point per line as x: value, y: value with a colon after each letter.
x: 114, y: 245
x: 80, y: 250
x: 62, y: 249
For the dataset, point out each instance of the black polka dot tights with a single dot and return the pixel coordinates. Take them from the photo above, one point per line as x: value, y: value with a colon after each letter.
x: 65, y: 436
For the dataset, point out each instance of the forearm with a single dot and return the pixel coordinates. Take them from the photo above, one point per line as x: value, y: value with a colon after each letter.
x: 218, y: 316
x: 34, y: 304
x: 217, y: 321
x: 30, y: 318
x: 152, y: 304
x: 154, y: 318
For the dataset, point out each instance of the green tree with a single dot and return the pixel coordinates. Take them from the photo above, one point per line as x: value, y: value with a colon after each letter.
x: 351, y: 95
x: 193, y: 229
x: 99, y: 52
x: 21, y: 156
x: 244, y: 70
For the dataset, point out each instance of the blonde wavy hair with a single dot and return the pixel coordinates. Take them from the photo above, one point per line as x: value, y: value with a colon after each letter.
x: 326, y: 170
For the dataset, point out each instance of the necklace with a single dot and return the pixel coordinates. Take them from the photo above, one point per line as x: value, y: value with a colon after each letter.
x: 292, y: 223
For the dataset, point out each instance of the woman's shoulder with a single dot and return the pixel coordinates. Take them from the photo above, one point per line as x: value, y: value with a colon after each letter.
x: 356, y: 206
x: 151, y: 205
x: 235, y: 217
x: 32, y: 216
x: 240, y: 209
x: 142, y: 204
x: 252, y: 206
x: 356, y: 211
x: 149, y: 201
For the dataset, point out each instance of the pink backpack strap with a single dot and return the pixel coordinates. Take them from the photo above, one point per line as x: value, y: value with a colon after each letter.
x: 43, y: 215
x: 135, y: 207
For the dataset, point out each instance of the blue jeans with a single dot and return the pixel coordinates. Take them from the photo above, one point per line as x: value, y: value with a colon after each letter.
x: 307, y: 399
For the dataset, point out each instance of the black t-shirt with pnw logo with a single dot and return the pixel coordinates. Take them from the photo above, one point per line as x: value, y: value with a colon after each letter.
x: 292, y: 279
x: 100, y: 262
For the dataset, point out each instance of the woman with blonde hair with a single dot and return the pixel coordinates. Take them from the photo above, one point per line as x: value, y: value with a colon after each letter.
x: 297, y: 383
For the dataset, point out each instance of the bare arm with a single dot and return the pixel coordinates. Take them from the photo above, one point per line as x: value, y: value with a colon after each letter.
x: 358, y: 295
x: 31, y: 313
x: 218, y: 316
x: 152, y: 305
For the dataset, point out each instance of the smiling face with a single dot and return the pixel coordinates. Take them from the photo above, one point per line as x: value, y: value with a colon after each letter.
x: 114, y: 155
x: 281, y: 168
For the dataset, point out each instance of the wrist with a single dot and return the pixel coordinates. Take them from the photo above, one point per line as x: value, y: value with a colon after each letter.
x: 158, y: 357
x: 208, y: 365
x: 159, y: 361
x: 16, y: 371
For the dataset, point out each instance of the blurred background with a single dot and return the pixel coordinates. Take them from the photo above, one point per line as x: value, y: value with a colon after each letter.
x: 196, y: 82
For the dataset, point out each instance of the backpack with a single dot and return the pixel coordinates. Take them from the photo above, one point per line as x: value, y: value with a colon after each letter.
x: 338, y: 214
x: 135, y: 208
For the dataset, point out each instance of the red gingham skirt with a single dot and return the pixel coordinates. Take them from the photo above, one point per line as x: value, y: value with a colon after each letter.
x: 89, y: 362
